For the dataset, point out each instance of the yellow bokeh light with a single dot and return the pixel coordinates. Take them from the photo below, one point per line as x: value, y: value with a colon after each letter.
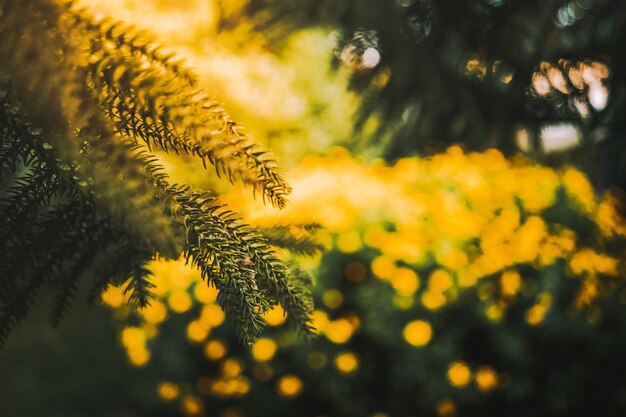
x: 339, y: 331
x: 374, y: 235
x: 212, y: 315
x: 535, y: 315
x: 433, y: 300
x: 154, y: 313
x: 191, y: 405
x: 510, y: 283
x: 215, y: 350
x: 588, y: 261
x: 440, y: 280
x: 608, y: 217
x: 405, y: 281
x: 179, y: 301
x: 133, y: 337
x: 418, y: 332
x: 289, y: 386
x: 486, y: 378
x: 349, y: 241
x: 459, y: 374
x: 168, y: 391
x: 346, y: 362
x: 446, y: 408
x: 275, y: 316
x: 204, y: 293
x: 264, y: 349
x: 113, y: 296
x: 231, y: 368
x: 579, y: 187
x: 332, y: 298
x: 197, y: 331
x: 383, y: 267
x: 494, y: 313
x: 319, y: 320
x: 138, y: 355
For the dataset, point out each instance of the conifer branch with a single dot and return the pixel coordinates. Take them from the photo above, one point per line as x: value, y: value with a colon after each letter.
x: 181, y: 118
x: 81, y: 191
x: 301, y: 242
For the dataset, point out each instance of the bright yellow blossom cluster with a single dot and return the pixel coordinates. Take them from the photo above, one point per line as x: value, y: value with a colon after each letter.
x: 436, y: 227
x: 473, y: 215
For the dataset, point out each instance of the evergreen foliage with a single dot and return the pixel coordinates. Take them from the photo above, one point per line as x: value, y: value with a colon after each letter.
x: 458, y: 71
x: 83, y: 104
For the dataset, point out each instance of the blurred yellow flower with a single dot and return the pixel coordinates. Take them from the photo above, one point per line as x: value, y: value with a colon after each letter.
x: 113, y: 296
x: 231, y: 368
x: 440, y: 281
x: 433, y: 300
x: 404, y: 281
x: 418, y: 333
x: 339, y: 331
x: 154, y: 313
x: 319, y: 320
x: 346, y: 362
x: 459, y: 374
x: 138, y: 355
x: 179, y: 301
x: 349, y: 241
x: 446, y: 408
x: 608, y: 217
x: 168, y: 391
x: 510, y: 283
x: 486, y: 378
x: 215, y: 350
x: 197, y: 331
x: 212, y: 315
x: 536, y: 314
x: 383, y: 267
x: 276, y: 316
x: 264, y: 349
x: 133, y: 337
x: 191, y: 405
x: 587, y: 260
x: 204, y: 293
x: 494, y: 313
x: 577, y: 186
x: 289, y: 386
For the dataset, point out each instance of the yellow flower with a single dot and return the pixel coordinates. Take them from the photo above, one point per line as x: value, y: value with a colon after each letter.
x: 486, y: 378
x: 339, y: 331
x: 263, y: 349
x: 418, y: 333
x: 459, y: 374
x: 215, y: 350
x: 446, y: 408
x: 346, y: 362
x: 405, y: 281
x: 276, y: 316
x: 580, y: 189
x: 510, y: 283
x: 168, y: 391
x: 289, y: 386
